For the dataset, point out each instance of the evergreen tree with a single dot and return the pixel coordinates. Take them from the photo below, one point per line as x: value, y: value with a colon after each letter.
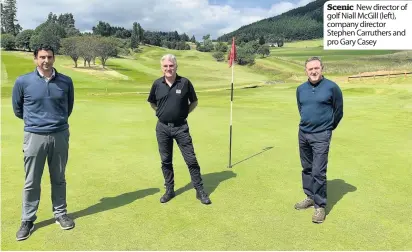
x: 140, y: 32
x: 262, y: 40
x: 134, y: 40
x: 8, y: 18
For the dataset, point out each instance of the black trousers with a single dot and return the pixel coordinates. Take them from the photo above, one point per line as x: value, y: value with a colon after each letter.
x: 165, y: 135
x: 314, y: 150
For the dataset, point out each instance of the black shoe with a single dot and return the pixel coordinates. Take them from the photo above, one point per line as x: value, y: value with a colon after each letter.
x: 169, y: 194
x: 202, y: 196
x: 25, y: 230
x: 65, y: 222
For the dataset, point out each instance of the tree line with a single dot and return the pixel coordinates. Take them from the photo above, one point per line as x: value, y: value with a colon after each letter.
x: 246, y: 52
x: 104, y: 41
x: 107, y: 40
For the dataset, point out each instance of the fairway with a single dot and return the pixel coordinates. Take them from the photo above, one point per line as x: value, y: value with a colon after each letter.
x: 114, y: 179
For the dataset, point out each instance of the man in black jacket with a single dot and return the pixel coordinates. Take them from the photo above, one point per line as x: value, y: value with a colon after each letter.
x: 320, y: 105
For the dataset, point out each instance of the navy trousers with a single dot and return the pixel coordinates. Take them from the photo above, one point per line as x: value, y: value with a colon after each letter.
x: 314, y: 150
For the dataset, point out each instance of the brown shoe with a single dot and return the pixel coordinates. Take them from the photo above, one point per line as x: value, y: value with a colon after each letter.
x: 306, y: 203
x: 319, y: 215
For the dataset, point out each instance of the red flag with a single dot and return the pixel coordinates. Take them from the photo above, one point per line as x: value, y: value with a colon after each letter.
x: 232, y: 55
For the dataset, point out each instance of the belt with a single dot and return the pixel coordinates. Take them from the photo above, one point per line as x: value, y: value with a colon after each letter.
x: 174, y: 124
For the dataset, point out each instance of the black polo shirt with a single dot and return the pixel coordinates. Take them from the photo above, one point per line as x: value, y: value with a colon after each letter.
x: 172, y: 102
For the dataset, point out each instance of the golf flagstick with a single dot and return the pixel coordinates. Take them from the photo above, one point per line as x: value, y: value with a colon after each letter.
x: 232, y: 58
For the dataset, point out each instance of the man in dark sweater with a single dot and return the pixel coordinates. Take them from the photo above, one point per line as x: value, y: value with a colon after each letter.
x: 173, y: 97
x: 320, y: 105
x: 44, y: 100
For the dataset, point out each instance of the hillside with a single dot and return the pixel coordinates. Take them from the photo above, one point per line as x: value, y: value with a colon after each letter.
x: 302, y: 23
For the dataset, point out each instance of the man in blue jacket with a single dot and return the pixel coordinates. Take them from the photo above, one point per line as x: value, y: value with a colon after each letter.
x: 320, y: 105
x: 44, y: 100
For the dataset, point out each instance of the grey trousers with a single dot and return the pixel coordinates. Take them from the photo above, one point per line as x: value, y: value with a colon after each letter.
x: 36, y: 148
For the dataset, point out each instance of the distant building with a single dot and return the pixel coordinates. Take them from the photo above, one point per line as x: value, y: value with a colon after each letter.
x: 272, y: 44
x: 278, y: 43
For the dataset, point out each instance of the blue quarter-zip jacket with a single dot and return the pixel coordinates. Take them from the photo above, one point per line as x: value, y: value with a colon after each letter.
x: 45, y: 106
x: 320, y: 106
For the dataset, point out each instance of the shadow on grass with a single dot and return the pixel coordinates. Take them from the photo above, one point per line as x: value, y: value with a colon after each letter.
x: 210, y: 181
x: 105, y: 204
x: 337, y: 188
x: 265, y: 149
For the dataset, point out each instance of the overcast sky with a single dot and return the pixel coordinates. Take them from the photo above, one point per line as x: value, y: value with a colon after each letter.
x: 195, y: 17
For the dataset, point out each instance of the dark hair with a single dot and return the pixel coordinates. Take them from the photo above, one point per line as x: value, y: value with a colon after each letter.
x: 313, y: 59
x: 43, y: 47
